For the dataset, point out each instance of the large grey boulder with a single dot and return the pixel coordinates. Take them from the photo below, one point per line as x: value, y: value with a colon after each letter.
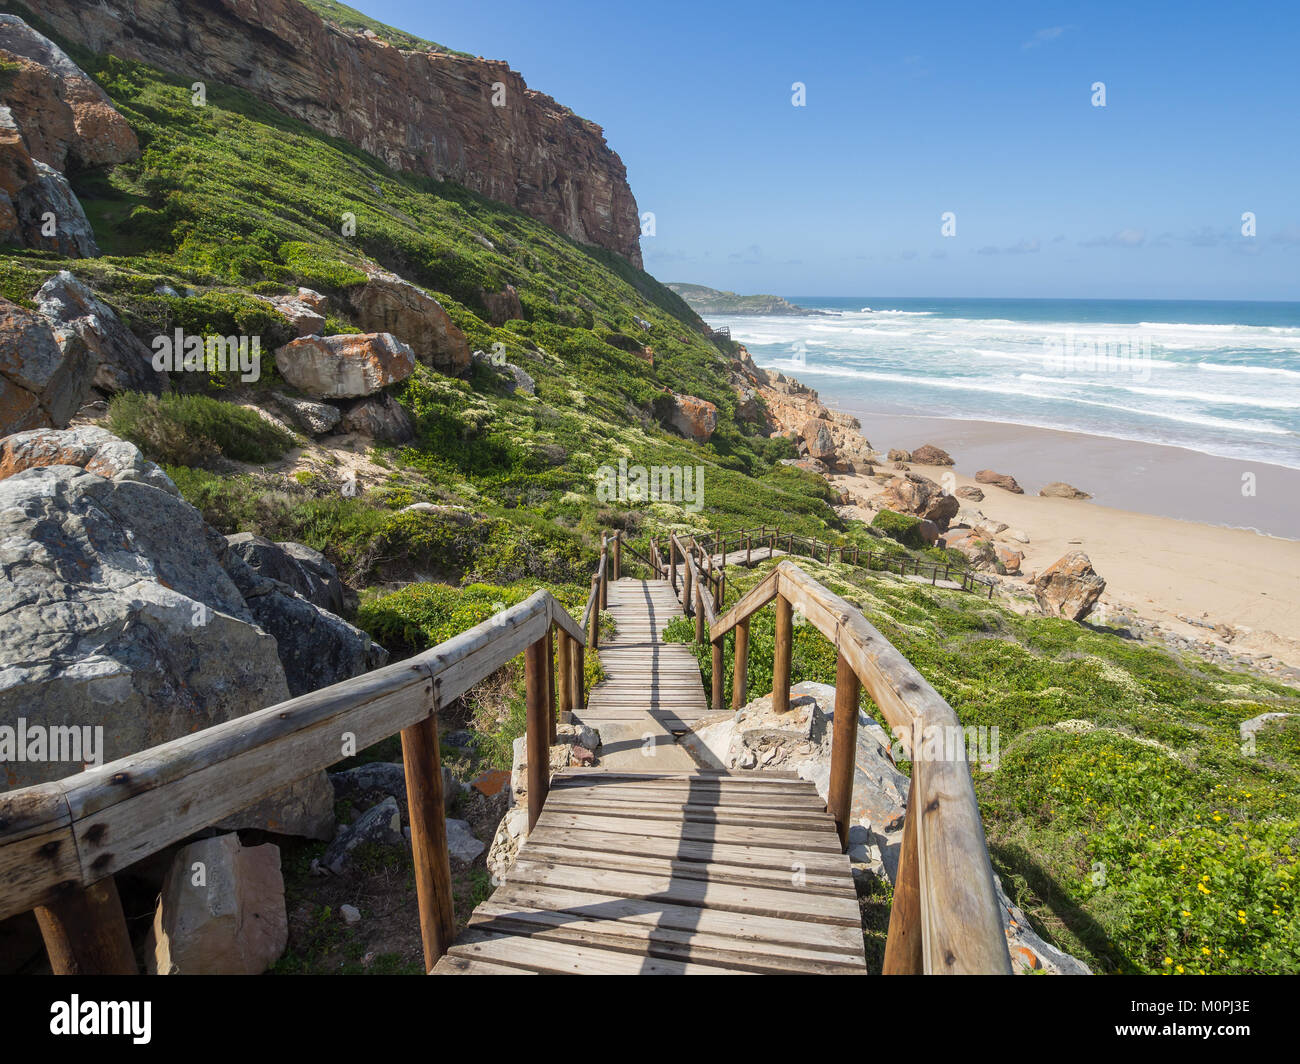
x: 380, y: 825
x: 316, y: 648
x: 50, y: 215
x: 380, y: 417
x: 221, y: 911
x: 41, y: 384
x: 86, y: 327
x: 315, y: 419
x: 305, y: 570
x: 116, y: 612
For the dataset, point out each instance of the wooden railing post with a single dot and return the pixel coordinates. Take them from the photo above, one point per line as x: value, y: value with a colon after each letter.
x: 422, y: 764
x: 578, y: 676
x: 722, y: 591
x: 749, y: 550
x: 672, y: 563
x: 604, y: 572
x: 618, y: 554
x: 903, y: 946
x: 688, y: 603
x: 718, y: 677
x: 844, y: 747
x: 593, y: 635
x: 740, y: 674
x: 564, y: 668
x: 539, y: 746
x: 85, y: 931
x: 550, y: 686
x: 699, y: 612
x: 781, y: 656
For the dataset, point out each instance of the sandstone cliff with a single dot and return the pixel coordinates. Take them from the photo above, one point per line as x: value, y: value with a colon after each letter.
x: 426, y: 112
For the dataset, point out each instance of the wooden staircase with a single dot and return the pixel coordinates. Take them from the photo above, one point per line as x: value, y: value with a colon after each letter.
x: 662, y: 872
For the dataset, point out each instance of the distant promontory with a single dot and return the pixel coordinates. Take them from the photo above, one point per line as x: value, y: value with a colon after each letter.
x: 704, y: 300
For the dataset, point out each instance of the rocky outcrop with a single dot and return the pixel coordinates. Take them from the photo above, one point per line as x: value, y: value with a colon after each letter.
x: 503, y: 306
x: 379, y: 417
x: 976, y: 547
x: 1069, y: 587
x: 344, y: 367
x: 897, y: 454
x: 1059, y: 489
x: 315, y: 419
x: 386, y: 303
x: 116, y: 611
x: 1001, y: 480
x: 221, y: 911
x: 919, y: 496
x: 693, y: 417
x: 817, y: 439
x: 422, y: 111
x: 305, y: 314
x: 86, y: 328
x: 50, y: 215
x: 41, y: 384
x: 929, y: 454
x: 969, y: 491
x: 64, y: 116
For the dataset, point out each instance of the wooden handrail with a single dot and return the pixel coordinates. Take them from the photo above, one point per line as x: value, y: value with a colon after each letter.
x: 59, y: 839
x: 956, y: 922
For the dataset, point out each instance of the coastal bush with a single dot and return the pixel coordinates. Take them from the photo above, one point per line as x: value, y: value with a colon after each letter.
x: 194, y: 429
x: 902, y: 527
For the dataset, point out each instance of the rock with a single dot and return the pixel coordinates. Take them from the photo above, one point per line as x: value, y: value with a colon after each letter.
x: 1252, y: 727
x: 971, y: 492
x: 87, y: 329
x: 379, y: 417
x: 48, y: 193
x: 461, y: 843
x: 816, y: 434
x: 220, y: 912
x: 1019, y: 535
x: 344, y: 367
x: 1001, y: 480
x: 578, y: 734
x: 1009, y: 559
x: 304, y: 809
x: 1069, y: 587
x: 305, y: 317
x: 386, y: 303
x: 307, y: 571
x: 380, y: 825
x: 919, y: 496
x: 388, y: 778
x: 1059, y: 489
x: 502, y: 306
x: 491, y: 782
x: 929, y: 531
x: 41, y: 384
x: 116, y: 610
x: 64, y: 116
x: 977, y: 549
x: 694, y: 418
x: 929, y: 454
x: 316, y: 648
x: 350, y: 913
x: 898, y: 455
x: 315, y: 419
x: 581, y: 757
x: 1029, y: 953
x: 511, y: 376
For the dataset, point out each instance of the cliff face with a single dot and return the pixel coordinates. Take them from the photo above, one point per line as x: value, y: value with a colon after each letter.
x: 425, y: 112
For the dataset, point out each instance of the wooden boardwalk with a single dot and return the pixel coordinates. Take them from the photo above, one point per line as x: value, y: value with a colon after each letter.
x: 666, y: 872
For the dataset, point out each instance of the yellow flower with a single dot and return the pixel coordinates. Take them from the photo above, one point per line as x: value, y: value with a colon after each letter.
x: 1180, y: 969
x: 1205, y: 950
x: 1168, y: 961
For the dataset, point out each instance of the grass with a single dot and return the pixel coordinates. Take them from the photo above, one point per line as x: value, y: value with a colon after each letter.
x: 193, y: 429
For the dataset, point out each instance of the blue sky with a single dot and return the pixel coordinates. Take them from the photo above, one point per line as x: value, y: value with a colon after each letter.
x: 918, y: 109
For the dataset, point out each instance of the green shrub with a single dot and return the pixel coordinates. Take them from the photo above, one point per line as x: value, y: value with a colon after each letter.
x: 191, y: 430
x: 902, y: 527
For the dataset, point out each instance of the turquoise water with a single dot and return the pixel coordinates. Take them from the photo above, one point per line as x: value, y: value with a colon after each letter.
x: 1216, y: 377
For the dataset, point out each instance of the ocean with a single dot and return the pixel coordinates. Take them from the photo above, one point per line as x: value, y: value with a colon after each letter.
x: 1220, y: 378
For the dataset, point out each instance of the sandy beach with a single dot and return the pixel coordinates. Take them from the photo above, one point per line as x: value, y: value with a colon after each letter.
x: 1155, y: 528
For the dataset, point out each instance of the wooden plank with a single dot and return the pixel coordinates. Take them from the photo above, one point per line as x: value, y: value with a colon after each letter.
x: 38, y: 855
x: 698, y: 814
x: 453, y: 965
x: 725, y: 897
x: 666, y: 943
x: 565, y: 958
x: 721, y: 833
x: 752, y: 801
x: 656, y: 912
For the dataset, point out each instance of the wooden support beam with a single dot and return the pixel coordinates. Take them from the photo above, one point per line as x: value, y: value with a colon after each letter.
x: 579, y: 676
x: 618, y: 555
x: 550, y: 686
x: 903, y: 946
x: 781, y: 656
x: 699, y: 612
x: 564, y: 674
x: 539, y: 746
x: 85, y: 931
x: 740, y: 674
x: 422, y: 764
x: 844, y: 745
x: 718, y: 677
x: 593, y: 635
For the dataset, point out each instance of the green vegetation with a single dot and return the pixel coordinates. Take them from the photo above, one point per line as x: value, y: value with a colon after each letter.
x: 903, y: 527
x: 194, y: 429
x: 1124, y: 815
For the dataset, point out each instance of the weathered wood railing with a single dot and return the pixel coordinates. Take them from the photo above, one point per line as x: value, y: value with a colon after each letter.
x: 746, y: 539
x: 945, y: 916
x: 61, y: 842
